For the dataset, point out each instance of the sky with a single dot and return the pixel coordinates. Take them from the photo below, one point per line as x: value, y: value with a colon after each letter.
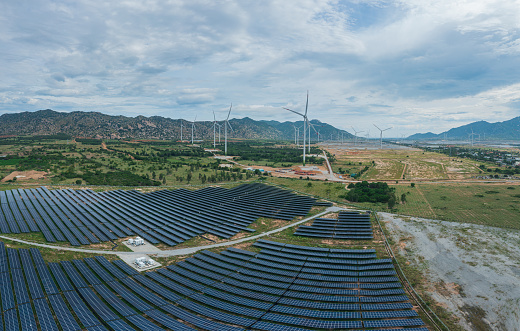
x: 413, y: 65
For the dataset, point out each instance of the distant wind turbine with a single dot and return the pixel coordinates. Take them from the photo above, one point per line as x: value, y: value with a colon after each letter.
x: 305, y: 122
x: 214, y: 131
x: 181, y: 130
x: 193, y: 129
x: 355, y: 135
x: 381, y: 135
x: 226, y: 124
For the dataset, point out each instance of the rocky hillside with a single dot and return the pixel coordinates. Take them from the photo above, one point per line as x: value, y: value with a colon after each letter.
x: 98, y: 125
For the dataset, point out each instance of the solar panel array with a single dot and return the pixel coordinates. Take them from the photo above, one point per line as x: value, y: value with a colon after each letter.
x: 82, y: 217
x: 283, y: 287
x: 348, y: 225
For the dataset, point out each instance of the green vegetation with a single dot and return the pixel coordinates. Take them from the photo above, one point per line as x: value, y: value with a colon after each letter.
x: 370, y: 192
x: 474, y: 203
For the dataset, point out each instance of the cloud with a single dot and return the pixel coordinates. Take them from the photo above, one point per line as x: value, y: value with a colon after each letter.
x: 415, y: 64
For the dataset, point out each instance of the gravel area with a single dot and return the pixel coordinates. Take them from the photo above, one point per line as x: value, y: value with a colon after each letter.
x: 474, y: 270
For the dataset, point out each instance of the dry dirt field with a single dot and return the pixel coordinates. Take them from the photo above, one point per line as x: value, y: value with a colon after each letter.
x: 473, y: 270
x: 25, y: 175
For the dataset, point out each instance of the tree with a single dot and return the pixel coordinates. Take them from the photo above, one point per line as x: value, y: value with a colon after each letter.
x: 79, y: 181
x: 391, y: 201
x: 403, y: 198
x: 412, y: 184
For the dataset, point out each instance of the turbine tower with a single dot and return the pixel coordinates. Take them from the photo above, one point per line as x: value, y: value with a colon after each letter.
x: 181, y: 130
x: 355, y: 135
x: 305, y: 122
x: 226, y: 124
x: 214, y: 131
x: 193, y: 129
x: 381, y: 135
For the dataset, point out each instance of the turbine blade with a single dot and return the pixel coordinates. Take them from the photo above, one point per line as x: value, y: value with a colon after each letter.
x: 229, y: 111
x: 294, y: 111
x: 307, y: 103
x: 214, y: 118
x: 377, y: 127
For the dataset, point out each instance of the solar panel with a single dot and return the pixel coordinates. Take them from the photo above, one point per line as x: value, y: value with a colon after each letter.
x: 167, y: 321
x: 44, y: 314
x: 84, y: 314
x: 27, y: 320
x: 11, y: 320
x: 62, y: 313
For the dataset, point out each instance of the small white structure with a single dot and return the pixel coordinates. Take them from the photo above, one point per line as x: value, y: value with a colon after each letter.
x: 144, y: 262
x: 138, y: 241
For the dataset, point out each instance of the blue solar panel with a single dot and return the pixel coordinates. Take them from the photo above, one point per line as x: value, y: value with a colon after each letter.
x: 27, y: 320
x: 110, y: 267
x: 143, y: 292
x: 215, y: 314
x: 60, y: 277
x: 14, y: 260
x: 6, y: 291
x: 86, y: 272
x: 395, y: 323
x: 44, y: 314
x: 130, y: 297
x: 198, y: 321
x: 263, y: 325
x: 142, y: 323
x: 11, y: 320
x: 167, y: 321
x: 113, y: 301
x: 125, y: 267
x: 120, y: 325
x: 94, y: 265
x: 20, y: 290
x: 73, y: 274
x: 105, y: 313
x: 46, y: 279
x: 84, y: 314
x: 62, y: 313
x: 316, y: 314
x: 157, y: 288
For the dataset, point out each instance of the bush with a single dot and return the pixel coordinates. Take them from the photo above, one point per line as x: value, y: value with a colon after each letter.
x: 370, y: 192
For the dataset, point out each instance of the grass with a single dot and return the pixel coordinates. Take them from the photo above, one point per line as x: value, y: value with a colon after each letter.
x: 37, y: 237
x: 54, y: 255
x: 484, y: 204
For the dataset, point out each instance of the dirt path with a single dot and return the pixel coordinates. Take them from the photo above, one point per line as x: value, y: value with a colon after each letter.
x: 426, y: 200
x: 472, y: 270
x: 404, y: 171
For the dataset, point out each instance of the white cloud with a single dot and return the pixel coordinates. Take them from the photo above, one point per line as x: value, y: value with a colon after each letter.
x: 418, y: 65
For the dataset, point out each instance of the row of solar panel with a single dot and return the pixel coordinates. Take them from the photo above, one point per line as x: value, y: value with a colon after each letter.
x: 171, y: 217
x: 348, y: 225
x: 97, y: 288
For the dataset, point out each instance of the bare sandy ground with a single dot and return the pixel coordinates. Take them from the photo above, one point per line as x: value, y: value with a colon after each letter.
x: 474, y: 270
x: 25, y: 175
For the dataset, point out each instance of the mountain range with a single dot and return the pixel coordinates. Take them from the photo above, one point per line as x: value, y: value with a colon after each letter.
x: 506, y: 130
x: 98, y: 125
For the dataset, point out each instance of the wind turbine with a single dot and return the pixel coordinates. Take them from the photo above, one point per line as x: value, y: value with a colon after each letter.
x: 214, y: 131
x: 226, y: 124
x: 193, y: 129
x: 381, y: 135
x: 181, y: 130
x: 305, y: 121
x: 355, y: 135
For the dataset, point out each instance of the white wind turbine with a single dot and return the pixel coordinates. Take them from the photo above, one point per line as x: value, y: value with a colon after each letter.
x: 226, y: 124
x: 214, y: 131
x: 305, y: 121
x: 181, y: 130
x: 381, y: 135
x: 355, y: 135
x: 193, y: 129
